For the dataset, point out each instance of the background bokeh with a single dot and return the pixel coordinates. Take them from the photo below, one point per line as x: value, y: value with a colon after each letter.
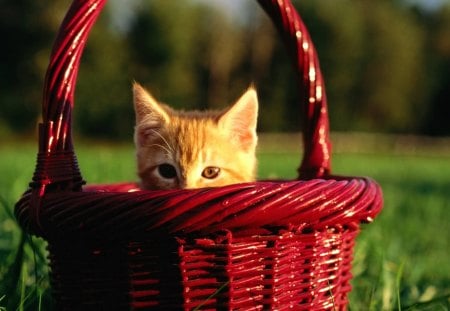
x: 386, y: 63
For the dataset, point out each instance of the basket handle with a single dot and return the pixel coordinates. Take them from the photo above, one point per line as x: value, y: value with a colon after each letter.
x: 316, y: 160
x: 56, y: 159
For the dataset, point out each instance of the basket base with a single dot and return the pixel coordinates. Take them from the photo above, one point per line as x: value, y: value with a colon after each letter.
x: 289, y: 270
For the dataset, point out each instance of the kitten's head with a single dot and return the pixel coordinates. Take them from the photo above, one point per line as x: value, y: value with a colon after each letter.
x: 177, y: 149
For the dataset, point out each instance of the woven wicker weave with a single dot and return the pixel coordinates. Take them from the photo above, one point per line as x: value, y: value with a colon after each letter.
x: 272, y: 245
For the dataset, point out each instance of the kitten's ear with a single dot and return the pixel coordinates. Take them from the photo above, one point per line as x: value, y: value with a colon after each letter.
x: 150, y: 115
x: 240, y: 120
x: 147, y: 108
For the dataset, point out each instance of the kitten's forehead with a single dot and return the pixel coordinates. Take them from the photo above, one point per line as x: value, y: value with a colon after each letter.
x: 193, y: 137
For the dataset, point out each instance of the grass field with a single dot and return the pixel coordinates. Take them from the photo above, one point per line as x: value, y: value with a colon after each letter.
x: 402, y: 260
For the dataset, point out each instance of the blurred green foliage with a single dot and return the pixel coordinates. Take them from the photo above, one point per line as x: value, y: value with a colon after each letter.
x: 386, y: 63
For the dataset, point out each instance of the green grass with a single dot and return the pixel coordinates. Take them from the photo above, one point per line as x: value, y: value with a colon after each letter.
x: 401, y: 260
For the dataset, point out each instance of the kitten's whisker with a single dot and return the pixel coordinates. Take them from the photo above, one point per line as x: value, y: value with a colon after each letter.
x: 164, y: 140
x: 162, y: 147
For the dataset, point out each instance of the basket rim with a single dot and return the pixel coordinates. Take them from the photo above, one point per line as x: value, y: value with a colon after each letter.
x: 110, y: 209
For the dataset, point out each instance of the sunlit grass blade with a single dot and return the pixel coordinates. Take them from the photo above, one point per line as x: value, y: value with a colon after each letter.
x: 438, y: 303
x: 2, y: 308
x: 211, y: 296
x: 22, y: 288
x: 398, y: 283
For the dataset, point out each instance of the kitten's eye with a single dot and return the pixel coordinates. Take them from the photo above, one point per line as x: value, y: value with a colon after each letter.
x: 211, y: 172
x: 167, y: 171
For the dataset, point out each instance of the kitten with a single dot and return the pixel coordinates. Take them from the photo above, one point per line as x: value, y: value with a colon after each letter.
x: 192, y: 149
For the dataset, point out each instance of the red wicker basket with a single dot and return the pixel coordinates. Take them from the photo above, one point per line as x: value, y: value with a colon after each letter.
x: 272, y: 245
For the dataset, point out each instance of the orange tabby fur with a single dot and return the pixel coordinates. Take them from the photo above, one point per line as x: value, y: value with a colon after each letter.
x: 195, y: 149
